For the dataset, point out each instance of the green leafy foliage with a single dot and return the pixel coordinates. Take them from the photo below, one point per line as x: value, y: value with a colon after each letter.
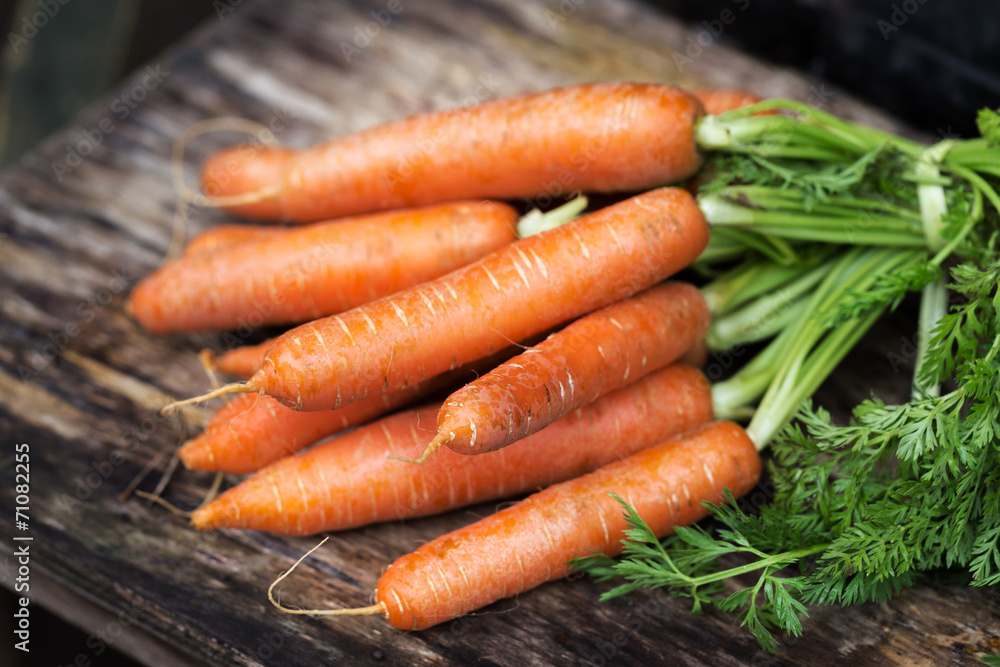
x: 887, y: 291
x: 859, y: 510
x: 901, y: 493
x: 988, y: 122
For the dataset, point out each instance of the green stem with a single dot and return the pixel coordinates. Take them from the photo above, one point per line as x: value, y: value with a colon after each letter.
x: 536, y: 222
x: 780, y: 253
x: 720, y: 209
x: 757, y: 320
x: 793, y: 199
x: 980, y: 184
x: 933, y: 306
x: 780, y: 560
x: 931, y: 195
x: 722, y: 247
x: 974, y: 217
x: 753, y: 278
x: 751, y: 328
x: 809, y: 134
x: 773, y: 414
x: 733, y: 395
x: 807, y: 362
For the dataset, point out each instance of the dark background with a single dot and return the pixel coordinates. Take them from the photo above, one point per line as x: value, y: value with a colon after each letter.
x: 931, y: 63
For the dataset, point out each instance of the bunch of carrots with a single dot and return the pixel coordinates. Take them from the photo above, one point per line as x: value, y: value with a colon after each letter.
x: 562, y: 359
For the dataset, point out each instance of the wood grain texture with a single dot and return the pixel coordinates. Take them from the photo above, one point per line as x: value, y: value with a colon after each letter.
x: 82, y: 383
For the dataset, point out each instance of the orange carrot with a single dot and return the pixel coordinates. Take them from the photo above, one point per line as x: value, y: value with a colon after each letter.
x: 245, y: 360
x: 224, y: 236
x: 721, y: 100
x: 310, y: 272
x: 349, y: 481
x: 602, y: 137
x: 521, y: 289
x: 254, y: 430
x: 245, y: 168
x: 532, y: 542
x: 598, y: 353
x: 242, y: 361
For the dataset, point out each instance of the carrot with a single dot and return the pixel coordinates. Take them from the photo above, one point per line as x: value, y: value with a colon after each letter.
x: 602, y: 137
x: 224, y: 236
x: 310, y: 272
x: 532, y: 542
x: 521, y: 289
x: 242, y: 361
x: 254, y: 430
x: 349, y: 481
x: 598, y: 353
x: 721, y: 100
x: 245, y: 169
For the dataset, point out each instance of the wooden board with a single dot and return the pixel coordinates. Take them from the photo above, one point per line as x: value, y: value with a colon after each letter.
x: 81, y: 383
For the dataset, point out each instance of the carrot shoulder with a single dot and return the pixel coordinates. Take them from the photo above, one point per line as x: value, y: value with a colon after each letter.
x: 314, y: 271
x: 519, y: 290
x: 598, y: 353
x: 349, y: 481
x: 600, y: 137
x: 721, y: 100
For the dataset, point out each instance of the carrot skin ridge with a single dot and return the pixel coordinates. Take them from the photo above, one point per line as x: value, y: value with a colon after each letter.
x: 317, y: 270
x: 519, y: 290
x: 532, y: 542
x: 225, y: 236
x: 600, y: 352
x: 349, y: 482
x: 601, y: 137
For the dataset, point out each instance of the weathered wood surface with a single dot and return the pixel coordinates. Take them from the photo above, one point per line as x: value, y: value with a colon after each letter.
x: 82, y: 383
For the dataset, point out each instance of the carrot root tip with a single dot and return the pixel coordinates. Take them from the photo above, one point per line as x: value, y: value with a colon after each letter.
x: 432, y: 447
x: 231, y: 388
x: 252, y: 197
x: 378, y: 608
x: 173, y: 509
x: 187, y: 194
